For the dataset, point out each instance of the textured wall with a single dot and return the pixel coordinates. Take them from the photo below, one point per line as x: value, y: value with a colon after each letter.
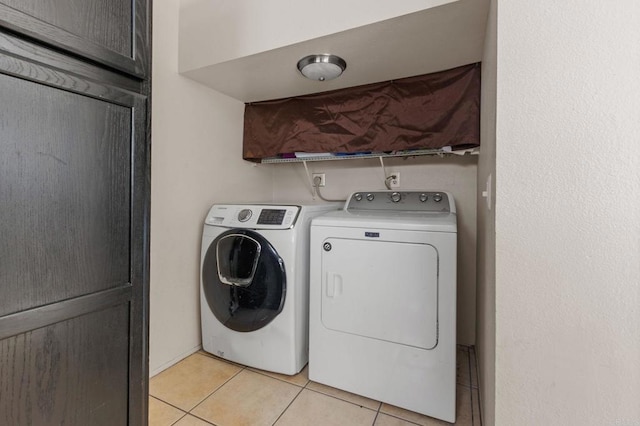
x: 568, y: 213
x: 196, y: 161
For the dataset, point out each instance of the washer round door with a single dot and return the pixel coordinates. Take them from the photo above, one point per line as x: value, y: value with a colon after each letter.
x: 244, y: 280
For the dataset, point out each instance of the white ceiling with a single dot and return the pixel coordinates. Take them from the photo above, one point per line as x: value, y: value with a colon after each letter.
x: 431, y: 40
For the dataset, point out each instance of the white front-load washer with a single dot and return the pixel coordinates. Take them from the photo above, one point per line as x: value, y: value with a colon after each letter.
x: 383, y: 299
x: 254, y: 284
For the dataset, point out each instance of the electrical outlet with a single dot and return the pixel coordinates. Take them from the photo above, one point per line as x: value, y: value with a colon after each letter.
x: 394, y: 182
x: 314, y: 176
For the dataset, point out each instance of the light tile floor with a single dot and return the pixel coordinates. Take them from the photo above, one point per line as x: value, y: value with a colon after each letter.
x: 203, y: 390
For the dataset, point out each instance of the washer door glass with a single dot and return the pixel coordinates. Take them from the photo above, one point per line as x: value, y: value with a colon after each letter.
x: 244, y: 280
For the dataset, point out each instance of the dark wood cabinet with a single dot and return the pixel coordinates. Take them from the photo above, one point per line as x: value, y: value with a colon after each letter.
x: 74, y: 212
x: 70, y: 372
x: 114, y: 33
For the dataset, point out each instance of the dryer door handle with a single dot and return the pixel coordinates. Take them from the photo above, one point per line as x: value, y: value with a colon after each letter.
x: 333, y: 284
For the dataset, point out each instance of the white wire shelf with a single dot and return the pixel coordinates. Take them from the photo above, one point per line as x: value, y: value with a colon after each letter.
x: 335, y: 157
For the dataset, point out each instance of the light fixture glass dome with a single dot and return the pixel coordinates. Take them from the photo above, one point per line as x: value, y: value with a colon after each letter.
x: 322, y: 67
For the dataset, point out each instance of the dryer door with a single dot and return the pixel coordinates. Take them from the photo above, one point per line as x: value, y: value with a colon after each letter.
x: 382, y: 290
x: 244, y: 280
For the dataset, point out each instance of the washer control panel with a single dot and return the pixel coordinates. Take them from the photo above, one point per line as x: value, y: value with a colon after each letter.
x: 253, y: 216
x: 421, y: 201
x: 272, y: 216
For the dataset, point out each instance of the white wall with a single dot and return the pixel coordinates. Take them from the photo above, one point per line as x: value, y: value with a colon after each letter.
x: 568, y: 213
x: 196, y: 161
x: 454, y: 174
x: 486, y: 288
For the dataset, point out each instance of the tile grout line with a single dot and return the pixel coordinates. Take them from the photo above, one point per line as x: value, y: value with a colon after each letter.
x: 330, y: 396
x: 287, y: 407
x: 296, y: 397
x: 184, y: 413
x: 264, y: 373
x: 182, y: 417
x: 242, y: 368
x: 343, y: 400
x: 200, y: 418
x: 405, y: 420
x: 252, y: 370
x: 214, y: 391
x: 306, y: 386
x: 375, y: 418
x: 468, y: 350
x: 169, y: 404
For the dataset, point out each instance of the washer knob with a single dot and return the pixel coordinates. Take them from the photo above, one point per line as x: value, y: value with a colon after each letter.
x: 370, y: 197
x: 396, y: 197
x: 358, y: 197
x: 423, y: 197
x: 244, y: 215
x: 437, y: 198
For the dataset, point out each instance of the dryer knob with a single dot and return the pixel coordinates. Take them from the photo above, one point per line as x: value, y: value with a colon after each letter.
x: 437, y: 198
x: 395, y: 197
x: 423, y: 197
x: 358, y: 197
x: 370, y: 197
x: 244, y: 215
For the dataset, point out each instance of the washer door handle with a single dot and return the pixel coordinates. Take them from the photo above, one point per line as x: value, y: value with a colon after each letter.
x: 237, y: 257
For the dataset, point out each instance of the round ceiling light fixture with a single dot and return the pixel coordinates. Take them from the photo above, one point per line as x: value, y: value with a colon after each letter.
x: 321, y: 67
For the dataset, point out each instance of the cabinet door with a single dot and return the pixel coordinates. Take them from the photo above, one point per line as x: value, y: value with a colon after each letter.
x: 73, y: 252
x: 112, y: 32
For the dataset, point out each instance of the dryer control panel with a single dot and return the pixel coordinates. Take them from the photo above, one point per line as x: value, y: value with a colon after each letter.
x: 253, y: 216
x: 418, y: 201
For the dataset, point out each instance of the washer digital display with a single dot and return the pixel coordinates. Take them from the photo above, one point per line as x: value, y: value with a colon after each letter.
x: 271, y: 217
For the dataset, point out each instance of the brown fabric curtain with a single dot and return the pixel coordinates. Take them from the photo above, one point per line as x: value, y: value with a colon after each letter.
x: 423, y: 112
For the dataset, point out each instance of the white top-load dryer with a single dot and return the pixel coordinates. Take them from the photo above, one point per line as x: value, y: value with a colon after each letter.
x: 255, y: 284
x: 383, y: 299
